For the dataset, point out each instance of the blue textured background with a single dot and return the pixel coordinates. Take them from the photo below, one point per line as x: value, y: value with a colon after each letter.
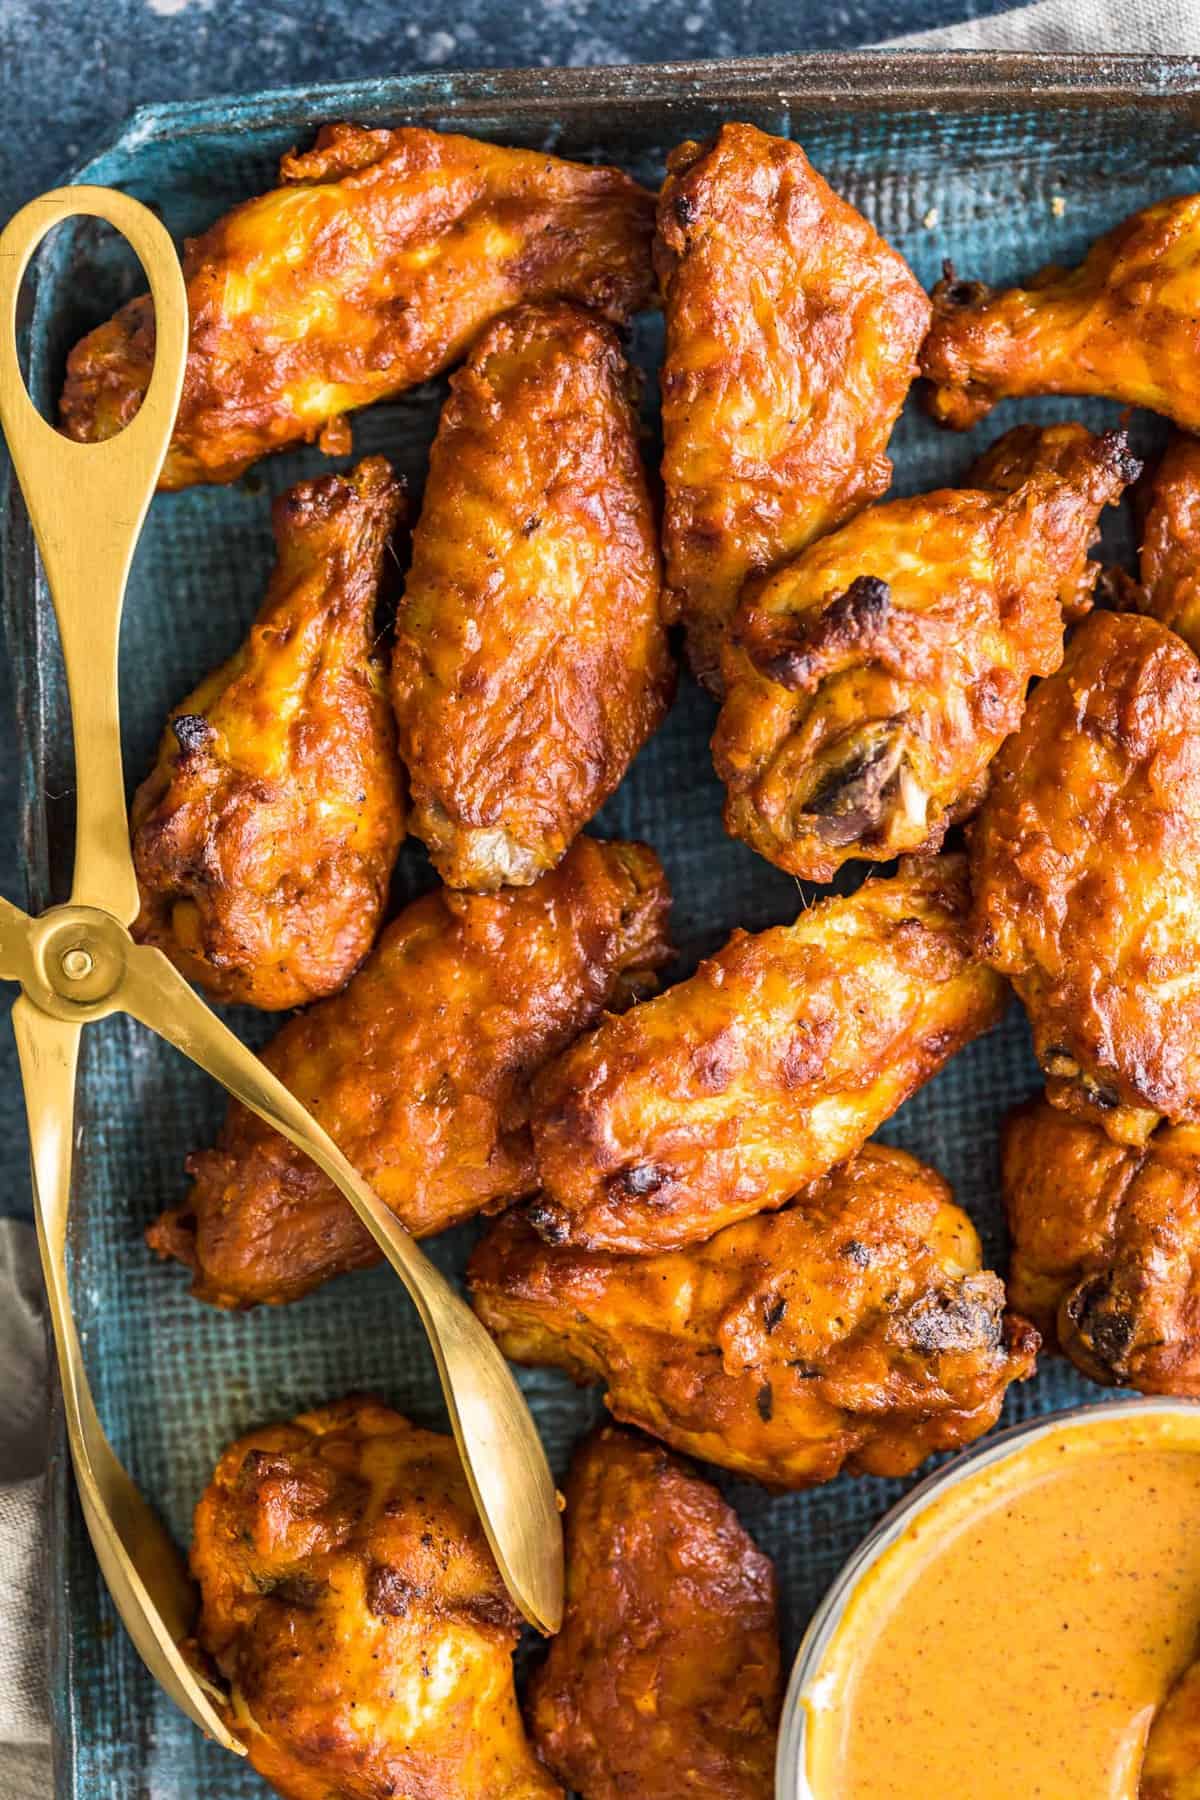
x: 70, y: 73
x: 1003, y: 188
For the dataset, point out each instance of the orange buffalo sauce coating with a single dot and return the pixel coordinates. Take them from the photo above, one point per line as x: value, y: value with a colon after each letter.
x: 1020, y: 1635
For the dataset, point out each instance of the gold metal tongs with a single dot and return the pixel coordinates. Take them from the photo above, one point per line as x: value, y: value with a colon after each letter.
x: 78, y: 962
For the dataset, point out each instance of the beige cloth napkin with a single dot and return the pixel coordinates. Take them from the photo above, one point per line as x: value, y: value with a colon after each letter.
x: 1165, y: 26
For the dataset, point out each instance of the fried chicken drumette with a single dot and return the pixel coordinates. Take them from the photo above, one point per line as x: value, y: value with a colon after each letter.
x: 1084, y: 868
x: 1123, y: 325
x: 869, y: 683
x: 792, y: 337
x: 420, y: 1072
x: 664, y: 1681
x: 1106, y: 1246
x: 1169, y: 588
x: 1171, y: 1766
x: 265, y: 834
x: 371, y: 268
x: 778, y: 1058
x: 349, y: 1599
x: 855, y: 1329
x: 531, y: 662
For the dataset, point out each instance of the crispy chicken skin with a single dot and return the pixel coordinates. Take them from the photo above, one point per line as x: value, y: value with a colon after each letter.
x: 372, y: 267
x: 778, y: 1058
x: 792, y: 338
x: 531, y: 661
x: 869, y: 683
x: 265, y: 834
x: 420, y: 1071
x: 351, y: 1602
x: 1125, y: 324
x: 1106, y: 1246
x: 855, y: 1329
x: 1171, y: 1767
x: 1170, y: 555
x: 1084, y: 869
x: 664, y: 1681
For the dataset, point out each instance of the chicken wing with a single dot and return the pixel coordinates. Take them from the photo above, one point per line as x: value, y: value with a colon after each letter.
x: 869, y: 683
x: 775, y: 1061
x: 1171, y: 1767
x: 1124, y: 324
x: 1170, y: 557
x: 420, y: 1072
x: 370, y: 269
x: 349, y: 1599
x: 792, y: 338
x: 531, y: 662
x: 265, y: 834
x: 1106, y: 1246
x: 664, y: 1681
x: 855, y: 1329
x: 1084, y: 867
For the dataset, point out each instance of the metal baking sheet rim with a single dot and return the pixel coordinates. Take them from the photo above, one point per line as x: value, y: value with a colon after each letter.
x: 933, y: 81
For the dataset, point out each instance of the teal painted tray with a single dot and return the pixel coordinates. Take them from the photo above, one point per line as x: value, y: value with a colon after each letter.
x: 1003, y: 162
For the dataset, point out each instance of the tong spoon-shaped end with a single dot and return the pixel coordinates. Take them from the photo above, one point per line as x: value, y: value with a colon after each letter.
x: 502, y: 1454
x: 144, y: 1571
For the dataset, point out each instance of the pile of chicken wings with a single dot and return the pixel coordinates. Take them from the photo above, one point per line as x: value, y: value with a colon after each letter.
x: 692, y: 1212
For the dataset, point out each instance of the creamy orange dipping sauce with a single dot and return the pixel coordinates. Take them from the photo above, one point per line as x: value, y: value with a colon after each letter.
x: 1017, y: 1639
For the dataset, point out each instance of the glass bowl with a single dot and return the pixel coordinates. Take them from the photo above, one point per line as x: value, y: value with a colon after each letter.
x: 791, y: 1777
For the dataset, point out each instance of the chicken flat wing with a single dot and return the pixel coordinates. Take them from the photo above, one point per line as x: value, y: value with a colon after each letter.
x: 664, y: 1681
x: 1106, y: 1246
x: 1123, y: 325
x: 792, y: 337
x: 1171, y: 1768
x: 371, y: 268
x: 1170, y: 557
x: 265, y: 835
x: 1084, y: 867
x: 420, y: 1072
x: 869, y: 683
x: 531, y: 662
x: 855, y: 1329
x: 778, y: 1058
x: 349, y: 1599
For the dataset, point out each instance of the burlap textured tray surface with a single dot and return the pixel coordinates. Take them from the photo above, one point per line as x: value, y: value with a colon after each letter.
x: 1003, y: 163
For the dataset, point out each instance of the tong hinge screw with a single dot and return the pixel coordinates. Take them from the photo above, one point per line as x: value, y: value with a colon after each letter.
x: 76, y: 963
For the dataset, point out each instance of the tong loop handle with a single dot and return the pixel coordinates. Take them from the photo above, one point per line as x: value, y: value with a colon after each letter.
x: 86, y: 504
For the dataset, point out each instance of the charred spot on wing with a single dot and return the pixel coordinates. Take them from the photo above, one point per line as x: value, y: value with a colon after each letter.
x: 639, y: 1179
x: 774, y: 1308
x: 952, y: 291
x: 548, y: 1221
x: 192, y: 731
x: 1103, y: 1320
x: 300, y: 1591
x: 389, y: 1594
x: 797, y: 651
x: 765, y: 1401
x: 958, y: 1316
x: 1120, y: 458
